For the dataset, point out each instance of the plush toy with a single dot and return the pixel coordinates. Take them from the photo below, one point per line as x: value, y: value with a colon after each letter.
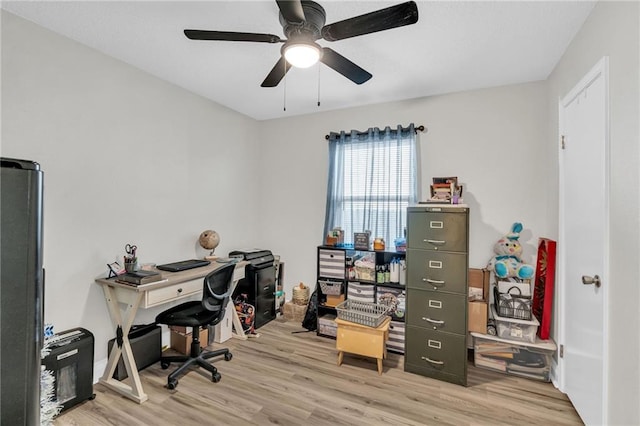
x: 506, y: 262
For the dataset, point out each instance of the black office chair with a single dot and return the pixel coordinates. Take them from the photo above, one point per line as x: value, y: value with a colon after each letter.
x: 216, y: 293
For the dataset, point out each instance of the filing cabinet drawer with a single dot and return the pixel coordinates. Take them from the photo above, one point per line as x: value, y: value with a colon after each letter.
x: 437, y: 311
x: 438, y: 231
x: 172, y: 292
x: 436, y: 352
x: 266, y: 288
x: 437, y: 271
x: 331, y: 263
x: 265, y: 310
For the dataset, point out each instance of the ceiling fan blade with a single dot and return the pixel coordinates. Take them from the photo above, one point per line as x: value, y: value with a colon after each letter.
x: 380, y: 20
x: 291, y: 10
x: 231, y: 36
x: 277, y: 73
x: 344, y: 66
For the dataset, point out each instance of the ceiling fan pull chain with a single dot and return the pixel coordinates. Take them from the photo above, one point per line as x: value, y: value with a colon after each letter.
x: 318, y: 84
x: 284, y: 101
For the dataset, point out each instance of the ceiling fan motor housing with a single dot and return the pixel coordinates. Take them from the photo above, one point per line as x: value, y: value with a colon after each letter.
x: 315, y: 18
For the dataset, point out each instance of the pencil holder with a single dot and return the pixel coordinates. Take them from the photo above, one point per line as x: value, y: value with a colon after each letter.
x: 131, y: 266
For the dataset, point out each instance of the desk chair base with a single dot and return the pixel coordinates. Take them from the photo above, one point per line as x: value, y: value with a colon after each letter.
x: 197, y: 357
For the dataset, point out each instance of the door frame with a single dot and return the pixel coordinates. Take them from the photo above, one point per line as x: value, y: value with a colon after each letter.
x: 600, y: 69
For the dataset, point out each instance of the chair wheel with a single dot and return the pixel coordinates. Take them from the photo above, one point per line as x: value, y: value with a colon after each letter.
x: 215, y: 377
x: 228, y: 356
x: 164, y: 364
x: 171, y: 384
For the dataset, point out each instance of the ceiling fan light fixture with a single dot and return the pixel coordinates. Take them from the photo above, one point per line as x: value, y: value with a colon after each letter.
x: 302, y: 55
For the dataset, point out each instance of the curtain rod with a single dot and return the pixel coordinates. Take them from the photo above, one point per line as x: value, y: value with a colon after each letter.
x: 416, y: 128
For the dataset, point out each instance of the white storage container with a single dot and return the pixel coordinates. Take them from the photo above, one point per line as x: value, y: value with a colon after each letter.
x: 531, y: 360
x: 516, y: 329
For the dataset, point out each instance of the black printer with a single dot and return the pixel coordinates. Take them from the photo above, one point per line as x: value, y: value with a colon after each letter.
x: 258, y: 287
x: 256, y: 257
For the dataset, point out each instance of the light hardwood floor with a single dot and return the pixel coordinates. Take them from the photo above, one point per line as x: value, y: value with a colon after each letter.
x: 292, y: 379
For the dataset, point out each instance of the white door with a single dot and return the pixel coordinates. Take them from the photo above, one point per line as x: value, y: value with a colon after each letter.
x: 583, y: 243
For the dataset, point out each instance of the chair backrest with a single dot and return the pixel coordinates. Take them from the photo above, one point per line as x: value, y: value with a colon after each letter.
x: 216, y: 290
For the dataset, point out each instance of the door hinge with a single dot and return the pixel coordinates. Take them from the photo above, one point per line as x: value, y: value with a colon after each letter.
x: 561, y: 351
x: 562, y: 142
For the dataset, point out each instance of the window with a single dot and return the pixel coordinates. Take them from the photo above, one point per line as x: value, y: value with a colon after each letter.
x: 372, y: 180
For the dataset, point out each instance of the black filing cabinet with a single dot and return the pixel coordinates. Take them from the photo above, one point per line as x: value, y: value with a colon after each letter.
x: 437, y: 288
x: 258, y: 284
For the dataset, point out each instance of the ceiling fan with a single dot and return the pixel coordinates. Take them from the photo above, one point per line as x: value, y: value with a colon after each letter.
x: 303, y: 22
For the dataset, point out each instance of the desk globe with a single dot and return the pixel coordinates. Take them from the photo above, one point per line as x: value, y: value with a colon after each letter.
x: 209, y: 240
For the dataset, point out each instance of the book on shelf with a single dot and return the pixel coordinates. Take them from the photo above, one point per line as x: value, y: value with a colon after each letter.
x: 446, y: 180
x: 140, y: 277
x: 434, y: 201
x: 441, y: 185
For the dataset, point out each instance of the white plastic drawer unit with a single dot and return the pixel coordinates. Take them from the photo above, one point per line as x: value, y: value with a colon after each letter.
x: 331, y: 263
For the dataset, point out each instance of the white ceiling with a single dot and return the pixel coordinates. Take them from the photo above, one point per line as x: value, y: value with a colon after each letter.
x: 455, y: 46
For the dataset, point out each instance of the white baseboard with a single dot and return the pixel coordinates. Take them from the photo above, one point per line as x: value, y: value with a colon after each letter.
x: 98, y: 369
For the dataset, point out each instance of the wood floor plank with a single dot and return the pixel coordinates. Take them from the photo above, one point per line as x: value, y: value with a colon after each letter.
x: 285, y: 378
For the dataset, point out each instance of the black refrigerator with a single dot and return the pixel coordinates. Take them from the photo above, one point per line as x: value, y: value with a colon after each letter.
x: 21, y: 291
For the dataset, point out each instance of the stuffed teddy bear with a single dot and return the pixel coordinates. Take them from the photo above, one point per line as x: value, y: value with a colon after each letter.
x: 506, y: 262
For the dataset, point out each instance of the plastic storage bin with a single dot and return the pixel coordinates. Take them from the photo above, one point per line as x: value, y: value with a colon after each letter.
x: 516, y: 329
x: 531, y: 360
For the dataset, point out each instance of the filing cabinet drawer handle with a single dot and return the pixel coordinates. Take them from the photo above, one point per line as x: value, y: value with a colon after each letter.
x: 265, y: 288
x: 439, y: 242
x: 430, y: 281
x: 425, y: 358
x: 432, y: 321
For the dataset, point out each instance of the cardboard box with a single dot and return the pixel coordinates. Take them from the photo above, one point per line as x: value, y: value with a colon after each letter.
x: 478, y: 309
x: 479, y: 278
x: 181, y: 342
x: 334, y: 300
x: 180, y: 329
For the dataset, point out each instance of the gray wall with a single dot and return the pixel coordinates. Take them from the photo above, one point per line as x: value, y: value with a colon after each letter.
x: 127, y: 158
x: 491, y: 139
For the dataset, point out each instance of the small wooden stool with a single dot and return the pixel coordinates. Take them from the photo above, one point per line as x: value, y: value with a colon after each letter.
x: 362, y: 340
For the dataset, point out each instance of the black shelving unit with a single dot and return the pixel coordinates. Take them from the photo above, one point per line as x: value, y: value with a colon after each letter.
x: 336, y: 268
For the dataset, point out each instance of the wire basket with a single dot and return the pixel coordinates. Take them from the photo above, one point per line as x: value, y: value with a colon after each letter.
x: 331, y: 287
x: 369, y: 314
x: 512, y: 304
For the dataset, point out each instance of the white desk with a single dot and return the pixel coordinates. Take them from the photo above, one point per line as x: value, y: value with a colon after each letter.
x: 124, y: 301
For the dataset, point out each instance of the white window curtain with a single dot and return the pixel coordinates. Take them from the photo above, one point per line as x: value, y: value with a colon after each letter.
x: 372, y: 180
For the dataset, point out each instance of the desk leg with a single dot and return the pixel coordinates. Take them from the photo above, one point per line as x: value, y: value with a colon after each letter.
x: 134, y: 392
x: 238, y: 331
